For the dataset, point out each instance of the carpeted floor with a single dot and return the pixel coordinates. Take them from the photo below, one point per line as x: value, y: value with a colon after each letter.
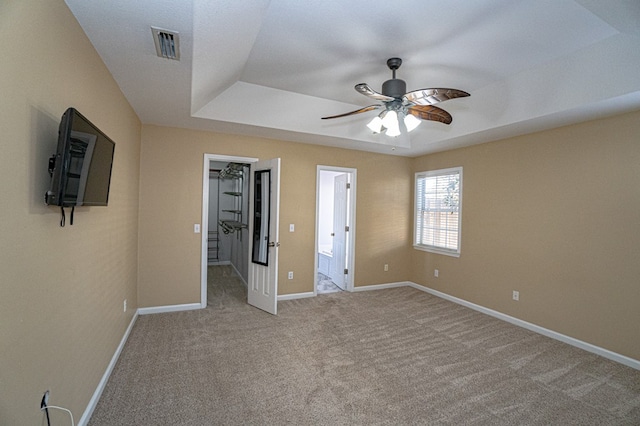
x: 388, y: 357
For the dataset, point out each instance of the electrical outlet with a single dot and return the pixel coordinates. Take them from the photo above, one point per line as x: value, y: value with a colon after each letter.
x: 45, y: 399
x: 516, y: 295
x: 436, y: 273
x: 386, y: 267
x: 290, y: 276
x: 124, y: 307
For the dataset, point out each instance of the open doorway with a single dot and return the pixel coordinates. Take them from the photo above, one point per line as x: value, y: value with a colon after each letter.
x: 263, y: 178
x: 227, y: 232
x: 335, y: 229
x: 220, y: 246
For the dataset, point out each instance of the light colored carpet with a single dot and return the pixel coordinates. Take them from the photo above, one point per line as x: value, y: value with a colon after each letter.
x: 388, y: 357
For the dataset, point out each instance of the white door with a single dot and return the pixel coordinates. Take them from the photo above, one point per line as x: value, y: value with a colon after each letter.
x: 339, y: 260
x: 264, y: 203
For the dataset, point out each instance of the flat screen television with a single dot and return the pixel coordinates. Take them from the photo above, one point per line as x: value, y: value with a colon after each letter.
x: 81, y: 167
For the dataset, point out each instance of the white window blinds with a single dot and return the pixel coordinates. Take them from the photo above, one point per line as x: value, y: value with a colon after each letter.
x: 438, y: 202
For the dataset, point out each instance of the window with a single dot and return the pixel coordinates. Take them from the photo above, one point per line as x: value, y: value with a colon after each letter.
x: 438, y: 203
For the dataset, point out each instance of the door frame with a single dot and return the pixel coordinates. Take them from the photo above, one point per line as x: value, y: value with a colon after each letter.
x: 204, y: 220
x: 351, y: 220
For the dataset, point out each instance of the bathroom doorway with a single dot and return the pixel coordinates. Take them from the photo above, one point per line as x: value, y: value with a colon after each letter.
x: 335, y: 229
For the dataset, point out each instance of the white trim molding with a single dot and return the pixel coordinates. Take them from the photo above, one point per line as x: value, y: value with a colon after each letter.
x: 93, y: 402
x: 614, y: 356
x: 294, y: 296
x: 622, y: 359
x: 169, y: 308
x: 382, y: 286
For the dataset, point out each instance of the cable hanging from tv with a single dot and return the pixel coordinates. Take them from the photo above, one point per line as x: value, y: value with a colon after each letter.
x: 63, y: 216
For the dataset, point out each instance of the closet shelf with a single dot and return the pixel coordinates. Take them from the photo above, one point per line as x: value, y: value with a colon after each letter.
x: 233, y: 208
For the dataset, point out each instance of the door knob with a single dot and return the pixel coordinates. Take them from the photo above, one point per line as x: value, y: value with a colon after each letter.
x: 272, y: 244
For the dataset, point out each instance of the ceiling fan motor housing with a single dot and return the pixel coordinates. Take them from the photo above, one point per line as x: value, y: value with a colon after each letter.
x: 395, y: 88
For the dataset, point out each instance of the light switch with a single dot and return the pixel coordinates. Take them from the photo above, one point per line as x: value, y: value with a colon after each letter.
x: 292, y: 227
x: 196, y: 228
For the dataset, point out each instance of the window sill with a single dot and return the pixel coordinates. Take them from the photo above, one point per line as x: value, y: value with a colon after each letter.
x: 437, y: 250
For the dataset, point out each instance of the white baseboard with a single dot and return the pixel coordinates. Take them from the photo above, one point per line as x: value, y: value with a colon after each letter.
x: 93, y: 402
x: 382, y: 286
x: 169, y: 308
x: 295, y: 296
x: 622, y: 359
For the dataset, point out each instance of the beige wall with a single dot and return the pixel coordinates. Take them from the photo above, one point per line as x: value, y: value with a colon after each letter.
x: 556, y: 216
x: 62, y: 289
x: 171, y: 202
x: 534, y: 215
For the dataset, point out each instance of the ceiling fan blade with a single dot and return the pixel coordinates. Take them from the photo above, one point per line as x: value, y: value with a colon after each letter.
x: 358, y: 111
x: 429, y: 112
x: 368, y: 91
x: 433, y: 96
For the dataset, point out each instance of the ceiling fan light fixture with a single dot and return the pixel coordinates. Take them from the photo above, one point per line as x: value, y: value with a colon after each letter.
x: 376, y: 124
x: 391, y: 123
x: 411, y: 122
x: 390, y: 120
x: 393, y: 131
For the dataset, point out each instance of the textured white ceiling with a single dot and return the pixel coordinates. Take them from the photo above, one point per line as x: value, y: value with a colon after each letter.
x: 273, y: 68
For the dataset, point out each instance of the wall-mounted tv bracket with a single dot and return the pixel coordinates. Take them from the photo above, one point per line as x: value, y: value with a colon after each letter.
x: 52, y: 166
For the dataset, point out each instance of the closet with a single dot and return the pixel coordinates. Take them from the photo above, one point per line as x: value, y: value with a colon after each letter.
x: 228, y: 239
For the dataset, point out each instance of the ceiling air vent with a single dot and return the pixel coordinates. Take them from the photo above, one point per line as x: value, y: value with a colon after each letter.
x: 167, y: 43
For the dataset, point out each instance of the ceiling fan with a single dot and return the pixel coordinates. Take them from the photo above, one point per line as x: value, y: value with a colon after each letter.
x: 402, y: 109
